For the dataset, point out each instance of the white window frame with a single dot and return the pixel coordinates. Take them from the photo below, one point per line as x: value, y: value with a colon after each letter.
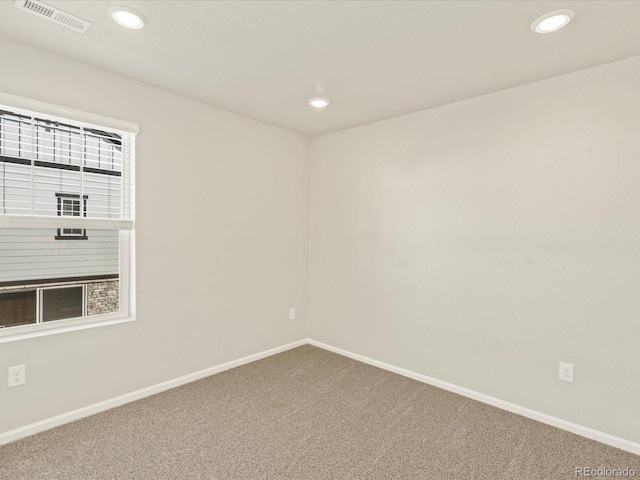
x: 126, y: 279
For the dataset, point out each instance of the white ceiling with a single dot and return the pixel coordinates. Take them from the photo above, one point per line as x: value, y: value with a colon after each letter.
x: 374, y: 60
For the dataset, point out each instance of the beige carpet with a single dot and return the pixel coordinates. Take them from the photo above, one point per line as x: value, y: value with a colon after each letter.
x: 306, y: 414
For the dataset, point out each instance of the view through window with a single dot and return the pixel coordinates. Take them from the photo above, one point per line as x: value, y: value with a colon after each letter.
x: 66, y: 211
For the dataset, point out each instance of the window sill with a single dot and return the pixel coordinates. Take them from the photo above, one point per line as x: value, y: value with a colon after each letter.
x: 13, y: 334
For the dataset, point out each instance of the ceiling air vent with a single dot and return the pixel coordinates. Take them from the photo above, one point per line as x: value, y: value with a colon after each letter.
x: 53, y: 14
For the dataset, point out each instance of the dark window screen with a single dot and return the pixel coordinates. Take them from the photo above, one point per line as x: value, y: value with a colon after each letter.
x: 17, y: 308
x: 61, y: 303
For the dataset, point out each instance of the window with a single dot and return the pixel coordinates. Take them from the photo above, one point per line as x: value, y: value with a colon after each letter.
x: 58, y: 303
x: 69, y: 206
x: 65, y: 178
x: 18, y: 308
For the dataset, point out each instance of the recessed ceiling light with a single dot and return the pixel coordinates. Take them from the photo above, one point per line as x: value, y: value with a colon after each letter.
x: 552, y: 21
x: 318, y: 102
x: 127, y: 17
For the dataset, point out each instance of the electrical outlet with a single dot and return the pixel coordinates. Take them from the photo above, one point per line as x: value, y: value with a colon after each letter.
x: 17, y: 376
x: 565, y: 372
x: 292, y: 314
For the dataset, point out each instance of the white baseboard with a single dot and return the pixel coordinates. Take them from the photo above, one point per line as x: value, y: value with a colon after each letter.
x: 58, y: 420
x: 587, y: 432
x: 68, y: 417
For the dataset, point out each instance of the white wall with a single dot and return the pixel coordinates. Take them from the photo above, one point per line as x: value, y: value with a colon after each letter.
x: 222, y: 226
x: 482, y: 242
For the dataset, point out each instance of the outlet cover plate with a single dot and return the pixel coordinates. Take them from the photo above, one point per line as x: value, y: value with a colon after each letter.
x: 17, y: 376
x: 565, y: 372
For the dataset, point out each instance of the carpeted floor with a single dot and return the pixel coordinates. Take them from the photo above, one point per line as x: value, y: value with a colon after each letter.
x: 306, y: 414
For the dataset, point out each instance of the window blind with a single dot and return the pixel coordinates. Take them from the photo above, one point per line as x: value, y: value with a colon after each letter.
x: 44, y: 156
